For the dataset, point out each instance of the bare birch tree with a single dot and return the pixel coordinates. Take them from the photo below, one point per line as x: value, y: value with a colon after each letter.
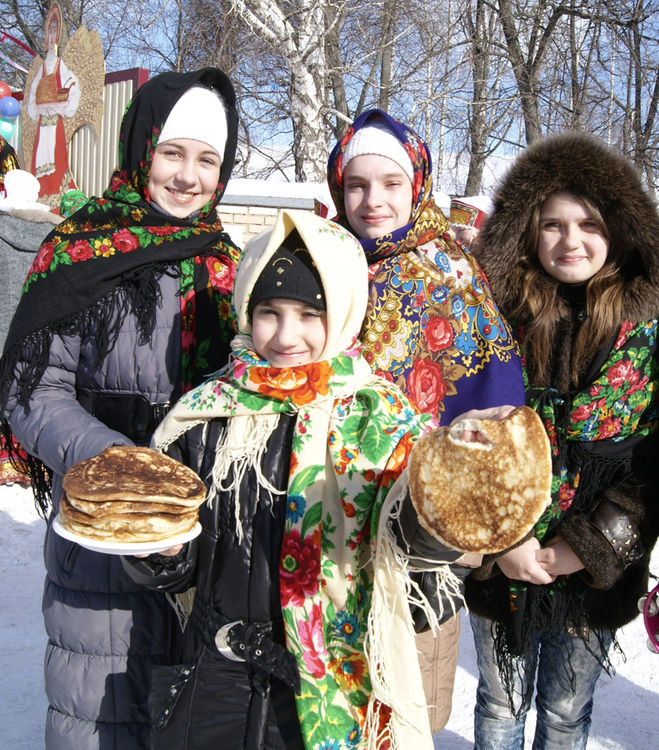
x: 476, y: 78
x: 296, y: 30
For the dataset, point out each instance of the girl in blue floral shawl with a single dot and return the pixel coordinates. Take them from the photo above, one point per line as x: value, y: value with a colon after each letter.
x: 432, y: 326
x: 571, y: 252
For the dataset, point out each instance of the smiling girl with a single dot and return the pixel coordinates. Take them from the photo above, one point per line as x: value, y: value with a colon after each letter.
x: 571, y: 253
x: 126, y: 306
x: 299, y: 443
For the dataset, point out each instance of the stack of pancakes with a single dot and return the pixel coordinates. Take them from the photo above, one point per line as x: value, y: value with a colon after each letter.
x: 129, y: 494
x: 482, y: 494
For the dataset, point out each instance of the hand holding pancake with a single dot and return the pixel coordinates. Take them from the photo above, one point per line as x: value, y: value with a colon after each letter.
x: 485, y: 493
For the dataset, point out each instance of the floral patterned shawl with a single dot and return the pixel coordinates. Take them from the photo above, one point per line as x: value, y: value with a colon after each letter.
x: 592, y: 432
x: 105, y: 261
x: 431, y: 326
x: 344, y: 586
x: 352, y: 439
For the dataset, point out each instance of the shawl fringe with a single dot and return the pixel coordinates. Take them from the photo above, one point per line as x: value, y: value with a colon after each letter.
x: 240, y: 449
x: 550, y: 613
x: 390, y: 646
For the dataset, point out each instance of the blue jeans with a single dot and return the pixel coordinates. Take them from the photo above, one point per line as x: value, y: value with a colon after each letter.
x: 563, y: 715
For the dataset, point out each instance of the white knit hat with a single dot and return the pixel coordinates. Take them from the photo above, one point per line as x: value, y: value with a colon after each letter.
x: 379, y: 140
x: 199, y: 115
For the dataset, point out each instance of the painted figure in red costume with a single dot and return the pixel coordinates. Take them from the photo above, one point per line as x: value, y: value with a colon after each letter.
x: 55, y: 93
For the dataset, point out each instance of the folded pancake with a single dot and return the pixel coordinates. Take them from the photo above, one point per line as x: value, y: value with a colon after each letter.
x: 130, y: 494
x: 126, y: 527
x: 482, y: 495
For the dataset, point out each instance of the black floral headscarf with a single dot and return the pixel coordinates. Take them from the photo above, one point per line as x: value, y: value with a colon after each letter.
x: 105, y: 261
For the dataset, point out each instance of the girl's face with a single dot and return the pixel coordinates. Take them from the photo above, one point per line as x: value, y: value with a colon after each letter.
x: 288, y: 333
x: 571, y: 245
x: 184, y: 175
x: 377, y: 196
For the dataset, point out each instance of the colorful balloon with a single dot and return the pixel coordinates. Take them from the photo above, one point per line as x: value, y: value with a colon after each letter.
x: 4, y: 89
x: 9, y: 107
x: 6, y: 129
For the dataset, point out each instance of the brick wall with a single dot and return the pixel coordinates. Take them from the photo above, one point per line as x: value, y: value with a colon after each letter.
x: 246, y: 216
x: 246, y: 220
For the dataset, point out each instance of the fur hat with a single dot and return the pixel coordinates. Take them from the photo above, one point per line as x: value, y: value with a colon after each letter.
x: 199, y: 115
x: 581, y: 164
x: 379, y: 140
x: 290, y: 274
x: 470, y: 211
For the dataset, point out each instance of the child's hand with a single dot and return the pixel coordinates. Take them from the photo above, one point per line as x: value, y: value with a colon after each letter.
x: 557, y: 558
x: 521, y: 564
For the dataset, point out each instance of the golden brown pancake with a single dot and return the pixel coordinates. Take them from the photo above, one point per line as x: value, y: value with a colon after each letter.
x: 125, y: 472
x: 130, y: 494
x: 111, y: 507
x: 482, y: 496
x: 124, y: 528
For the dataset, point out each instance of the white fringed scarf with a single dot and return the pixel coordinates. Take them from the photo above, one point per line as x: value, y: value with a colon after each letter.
x: 344, y: 583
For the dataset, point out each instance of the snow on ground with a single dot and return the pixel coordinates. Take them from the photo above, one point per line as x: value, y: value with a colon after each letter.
x: 625, y: 715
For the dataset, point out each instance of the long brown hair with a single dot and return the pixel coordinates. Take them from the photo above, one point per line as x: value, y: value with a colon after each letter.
x: 541, y: 309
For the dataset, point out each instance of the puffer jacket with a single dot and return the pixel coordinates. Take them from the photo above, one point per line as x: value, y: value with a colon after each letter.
x: 237, y: 580
x: 612, y: 521
x: 100, y: 624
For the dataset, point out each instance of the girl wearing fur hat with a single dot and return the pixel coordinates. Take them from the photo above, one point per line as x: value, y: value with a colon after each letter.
x: 431, y: 325
x: 571, y: 253
x: 127, y: 305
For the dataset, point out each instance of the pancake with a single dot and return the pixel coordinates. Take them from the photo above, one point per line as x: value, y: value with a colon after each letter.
x: 130, y: 494
x: 124, y: 472
x: 126, y: 528
x: 111, y: 507
x: 483, y: 495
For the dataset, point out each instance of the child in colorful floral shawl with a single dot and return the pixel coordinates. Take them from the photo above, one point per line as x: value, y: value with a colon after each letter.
x: 340, y: 579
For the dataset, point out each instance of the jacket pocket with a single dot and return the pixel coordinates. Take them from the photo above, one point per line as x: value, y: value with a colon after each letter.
x: 168, y: 683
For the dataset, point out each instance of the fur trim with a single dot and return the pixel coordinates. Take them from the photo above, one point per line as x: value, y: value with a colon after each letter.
x: 35, y: 215
x: 581, y: 163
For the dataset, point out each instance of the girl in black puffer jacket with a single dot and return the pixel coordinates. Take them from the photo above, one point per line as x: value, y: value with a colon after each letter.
x: 300, y: 634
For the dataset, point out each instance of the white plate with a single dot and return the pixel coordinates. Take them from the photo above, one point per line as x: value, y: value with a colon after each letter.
x: 125, y: 548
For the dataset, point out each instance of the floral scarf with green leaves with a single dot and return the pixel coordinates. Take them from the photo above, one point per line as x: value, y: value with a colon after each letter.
x: 352, y: 439
x: 591, y: 432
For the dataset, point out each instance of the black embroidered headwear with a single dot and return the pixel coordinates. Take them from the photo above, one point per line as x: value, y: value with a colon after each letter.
x: 290, y: 274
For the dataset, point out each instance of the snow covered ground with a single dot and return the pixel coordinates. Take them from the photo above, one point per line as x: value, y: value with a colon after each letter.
x: 626, y: 715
